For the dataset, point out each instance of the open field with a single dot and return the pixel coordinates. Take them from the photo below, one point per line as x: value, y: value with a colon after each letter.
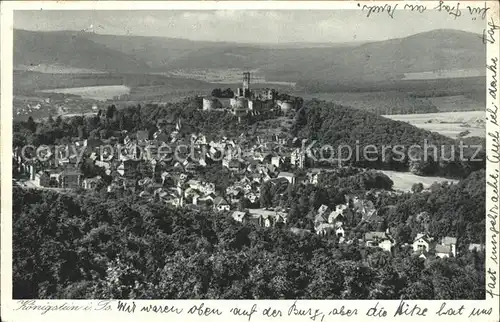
x: 449, y: 123
x: 450, y: 117
x: 56, y: 69
x: 404, y: 180
x: 100, y: 93
x: 456, y: 103
x: 456, y: 73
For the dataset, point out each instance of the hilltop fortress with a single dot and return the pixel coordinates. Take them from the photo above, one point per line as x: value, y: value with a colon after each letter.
x: 252, y: 101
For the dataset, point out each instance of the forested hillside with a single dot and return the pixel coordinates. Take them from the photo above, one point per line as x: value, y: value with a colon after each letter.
x: 81, y: 246
x: 336, y: 125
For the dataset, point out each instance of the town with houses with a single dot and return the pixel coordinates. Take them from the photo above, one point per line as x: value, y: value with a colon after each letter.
x: 251, y: 162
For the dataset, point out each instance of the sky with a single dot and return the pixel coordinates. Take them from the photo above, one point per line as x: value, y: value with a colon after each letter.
x: 245, y: 26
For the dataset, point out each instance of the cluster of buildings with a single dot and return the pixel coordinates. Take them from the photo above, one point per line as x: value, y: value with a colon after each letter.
x: 52, y: 103
x: 58, y: 178
x: 328, y: 221
x: 133, y: 162
x: 427, y: 246
x: 356, y: 211
x: 262, y: 217
x: 424, y: 246
x: 30, y: 105
x: 178, y: 184
x: 48, y: 171
x: 250, y: 101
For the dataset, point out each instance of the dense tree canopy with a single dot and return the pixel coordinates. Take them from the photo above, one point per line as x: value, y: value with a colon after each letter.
x: 83, y: 246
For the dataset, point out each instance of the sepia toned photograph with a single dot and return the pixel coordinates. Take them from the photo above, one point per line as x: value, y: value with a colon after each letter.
x: 249, y: 154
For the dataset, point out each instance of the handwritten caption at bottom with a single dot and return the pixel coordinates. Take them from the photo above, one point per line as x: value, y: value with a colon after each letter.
x: 247, y: 312
x: 257, y: 311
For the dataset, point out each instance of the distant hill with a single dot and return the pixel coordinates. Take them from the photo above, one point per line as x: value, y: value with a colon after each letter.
x: 71, y: 49
x: 383, y: 60
x: 156, y: 52
x: 428, y: 51
x: 338, y: 63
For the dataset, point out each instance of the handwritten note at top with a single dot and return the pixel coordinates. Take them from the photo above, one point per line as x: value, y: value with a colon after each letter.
x: 448, y: 8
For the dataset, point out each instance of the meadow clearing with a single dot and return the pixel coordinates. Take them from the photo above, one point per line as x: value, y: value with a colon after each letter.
x: 403, y: 181
x: 443, y: 74
x: 450, y: 124
x: 100, y: 93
